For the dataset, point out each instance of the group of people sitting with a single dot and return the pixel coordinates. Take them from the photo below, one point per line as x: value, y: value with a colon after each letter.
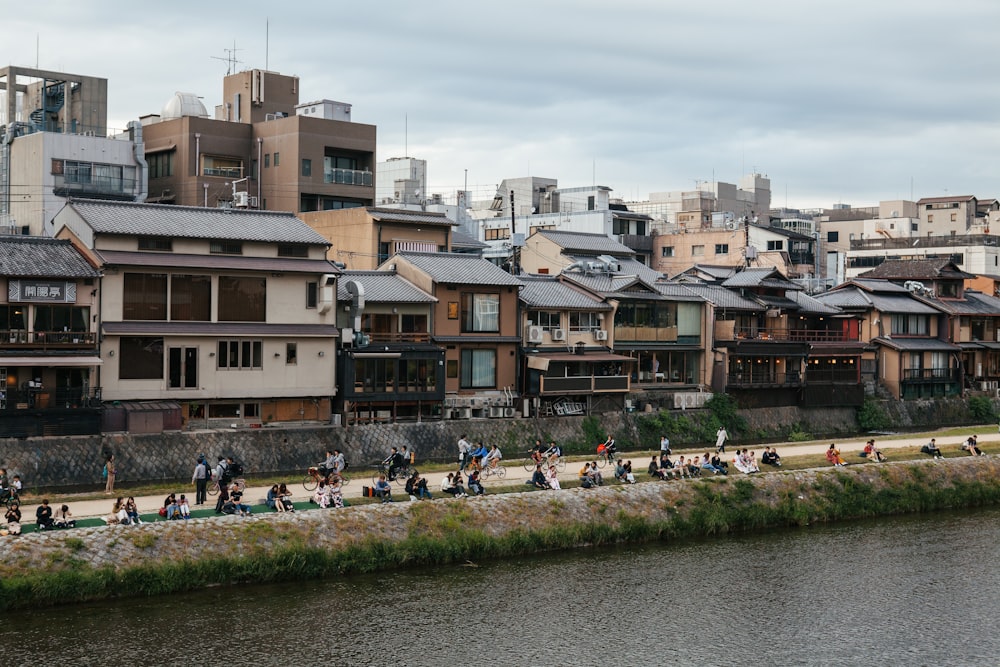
x: 125, y: 513
x: 45, y: 518
x: 544, y: 477
x: 663, y: 467
x: 279, y: 498
x: 872, y: 453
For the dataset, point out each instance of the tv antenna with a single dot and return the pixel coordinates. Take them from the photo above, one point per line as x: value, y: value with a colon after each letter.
x: 230, y: 59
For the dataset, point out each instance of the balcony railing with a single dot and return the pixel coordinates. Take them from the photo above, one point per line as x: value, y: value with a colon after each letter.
x: 348, y: 176
x: 50, y: 399
x: 829, y: 376
x: 47, y: 339
x: 584, y: 384
x: 398, y: 337
x: 228, y: 172
x: 651, y: 334
x: 930, y: 374
x: 805, y: 335
x: 93, y: 185
x: 765, y: 378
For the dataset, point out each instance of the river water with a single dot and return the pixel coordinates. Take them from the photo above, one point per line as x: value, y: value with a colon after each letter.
x: 897, y: 591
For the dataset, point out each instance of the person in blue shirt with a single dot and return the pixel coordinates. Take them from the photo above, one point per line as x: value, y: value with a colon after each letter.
x: 383, y: 490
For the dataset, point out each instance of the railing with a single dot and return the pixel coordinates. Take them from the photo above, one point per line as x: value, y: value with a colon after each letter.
x: 651, y: 334
x: 348, y: 176
x: 926, y: 242
x: 829, y: 376
x: 228, y: 172
x: 764, y: 378
x: 398, y: 337
x: 93, y: 185
x: 584, y: 384
x: 805, y: 335
x: 50, y: 399
x: 936, y: 374
x: 46, y: 339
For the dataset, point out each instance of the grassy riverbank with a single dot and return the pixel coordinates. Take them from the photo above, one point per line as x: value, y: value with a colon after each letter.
x: 97, y: 563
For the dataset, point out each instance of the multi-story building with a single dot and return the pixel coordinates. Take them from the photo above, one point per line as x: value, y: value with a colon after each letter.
x: 263, y: 150
x: 49, y: 360
x: 53, y: 146
x: 227, y: 316
x: 401, y: 180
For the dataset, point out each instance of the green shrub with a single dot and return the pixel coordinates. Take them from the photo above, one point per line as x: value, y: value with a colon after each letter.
x: 982, y: 409
x: 796, y: 434
x: 872, y: 416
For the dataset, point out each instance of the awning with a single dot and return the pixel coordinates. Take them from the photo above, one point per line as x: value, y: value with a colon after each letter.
x: 160, y: 148
x: 541, y: 362
x: 51, y: 361
x: 376, y: 355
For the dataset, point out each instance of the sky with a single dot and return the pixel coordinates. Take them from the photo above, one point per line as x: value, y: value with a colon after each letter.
x: 836, y: 102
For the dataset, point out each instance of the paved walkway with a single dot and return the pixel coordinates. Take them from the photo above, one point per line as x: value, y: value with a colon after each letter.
x: 516, y: 474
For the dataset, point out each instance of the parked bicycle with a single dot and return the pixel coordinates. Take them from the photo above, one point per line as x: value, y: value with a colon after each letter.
x: 213, y: 488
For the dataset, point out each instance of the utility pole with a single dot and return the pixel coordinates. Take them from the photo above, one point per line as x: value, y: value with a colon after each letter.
x: 515, y: 250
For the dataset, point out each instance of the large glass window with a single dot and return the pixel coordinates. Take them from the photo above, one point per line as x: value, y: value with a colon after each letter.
x: 190, y: 298
x: 183, y: 368
x: 215, y: 165
x: 242, y: 299
x: 912, y: 325
x: 583, y: 321
x: 61, y: 318
x: 479, y: 369
x: 140, y: 358
x: 161, y: 164
x: 145, y: 296
x: 241, y: 354
x: 481, y: 313
x: 547, y: 319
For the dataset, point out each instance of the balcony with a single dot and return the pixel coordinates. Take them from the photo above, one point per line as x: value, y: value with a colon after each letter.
x: 651, y: 334
x: 67, y: 185
x: 398, y: 337
x: 930, y: 375
x: 584, y: 384
x: 761, y: 378
x: 803, y: 335
x: 227, y: 172
x: 849, y: 375
x: 348, y: 177
x: 49, y: 399
x: 47, y: 340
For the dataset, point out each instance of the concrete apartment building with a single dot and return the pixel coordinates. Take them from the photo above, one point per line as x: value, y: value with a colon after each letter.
x: 264, y: 150
x: 53, y: 146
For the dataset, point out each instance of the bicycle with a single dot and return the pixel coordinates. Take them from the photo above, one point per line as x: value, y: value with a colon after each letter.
x: 605, y: 457
x: 313, y: 476
x: 498, y: 471
x: 10, y: 497
x: 213, y: 488
x: 404, y: 471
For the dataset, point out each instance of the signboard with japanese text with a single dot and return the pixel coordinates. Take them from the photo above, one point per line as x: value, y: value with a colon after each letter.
x: 41, y: 291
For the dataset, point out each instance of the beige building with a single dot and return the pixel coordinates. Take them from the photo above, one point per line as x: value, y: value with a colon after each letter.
x: 264, y: 150
x: 364, y: 238
x: 227, y: 314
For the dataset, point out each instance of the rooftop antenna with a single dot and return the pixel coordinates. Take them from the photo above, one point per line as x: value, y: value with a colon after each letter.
x: 267, y: 43
x: 230, y: 59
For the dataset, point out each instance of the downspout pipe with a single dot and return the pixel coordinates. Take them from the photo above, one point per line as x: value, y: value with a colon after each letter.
x: 139, y: 150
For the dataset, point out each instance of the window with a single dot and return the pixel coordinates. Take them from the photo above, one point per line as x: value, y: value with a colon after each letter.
x: 775, y: 245
x: 241, y: 354
x: 954, y: 217
x: 190, y: 298
x: 267, y: 160
x: 293, y: 250
x: 832, y: 237
x: 479, y: 368
x: 697, y: 250
x: 242, y: 299
x: 721, y: 248
x: 222, y: 166
x: 225, y: 248
x: 155, y: 243
x: 413, y: 323
x: 307, y: 167
x: 667, y: 251
x: 312, y: 294
x: 160, y: 164
x: 497, y: 233
x: 911, y: 325
x: 481, y: 313
x: 60, y: 320
x: 291, y: 353
x: 584, y: 321
x: 930, y: 218
x: 546, y: 319
x: 140, y: 358
x: 452, y: 368
x: 145, y: 296
x: 914, y: 227
x: 277, y: 158
x: 591, y: 203
x: 183, y: 368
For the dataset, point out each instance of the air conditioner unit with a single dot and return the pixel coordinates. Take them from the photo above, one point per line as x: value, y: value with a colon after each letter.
x: 773, y: 312
x: 252, y: 201
x: 496, y: 412
x: 534, y: 334
x: 465, y: 413
x: 240, y: 199
x: 510, y: 412
x: 600, y: 334
x: 558, y: 334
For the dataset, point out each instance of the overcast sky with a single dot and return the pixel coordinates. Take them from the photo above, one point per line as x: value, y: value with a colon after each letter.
x: 847, y: 101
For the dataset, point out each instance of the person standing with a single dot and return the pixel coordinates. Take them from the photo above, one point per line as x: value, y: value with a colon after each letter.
x: 464, y: 447
x: 110, y: 470
x: 665, y: 445
x: 200, y: 480
x: 720, y: 439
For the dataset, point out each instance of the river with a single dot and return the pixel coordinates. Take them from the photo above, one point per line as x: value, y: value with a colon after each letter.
x: 918, y: 590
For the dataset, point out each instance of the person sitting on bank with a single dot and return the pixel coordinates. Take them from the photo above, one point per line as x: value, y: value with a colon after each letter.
x: 475, y: 485
x: 931, y: 449
x: 872, y: 453
x: 43, y: 515
x: 834, y: 457
x: 538, y: 478
x: 13, y: 519
x: 383, y: 490
x: 770, y: 457
x: 972, y: 446
x: 552, y: 477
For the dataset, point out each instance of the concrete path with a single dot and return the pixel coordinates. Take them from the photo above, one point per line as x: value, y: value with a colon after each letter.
x: 951, y: 446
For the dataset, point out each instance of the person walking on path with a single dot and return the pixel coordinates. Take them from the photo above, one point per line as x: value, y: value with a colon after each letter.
x: 200, y: 480
x: 720, y: 439
x: 109, y: 473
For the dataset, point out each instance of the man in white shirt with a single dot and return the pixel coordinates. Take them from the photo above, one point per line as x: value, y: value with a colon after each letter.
x: 665, y: 445
x: 464, y: 447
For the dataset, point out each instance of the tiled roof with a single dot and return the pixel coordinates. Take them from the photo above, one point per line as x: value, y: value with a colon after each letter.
x: 216, y: 262
x: 637, y: 268
x: 916, y: 344
x: 550, y: 292
x: 917, y: 269
x: 943, y: 200
x: 810, y: 306
x: 410, y: 217
x: 39, y: 257
x: 787, y: 233
x: 898, y: 303
x: 724, y: 299
x: 463, y: 240
x: 178, y: 328
x: 382, y: 287
x: 974, y: 303
x: 677, y: 292
x: 850, y: 298
x: 773, y: 301
x: 608, y: 284
x: 878, y: 285
x: 760, y: 277
x: 588, y: 244
x: 133, y: 219
x: 457, y: 268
